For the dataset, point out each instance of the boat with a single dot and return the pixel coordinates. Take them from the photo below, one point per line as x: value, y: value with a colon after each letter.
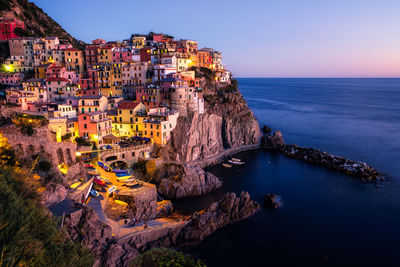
x: 75, y: 185
x: 89, y: 166
x: 236, y: 159
x: 124, y: 178
x: 112, y: 189
x: 128, y: 180
x: 226, y: 165
x: 94, y: 193
x: 119, y: 171
x: 236, y: 162
x: 122, y: 174
x: 100, y: 163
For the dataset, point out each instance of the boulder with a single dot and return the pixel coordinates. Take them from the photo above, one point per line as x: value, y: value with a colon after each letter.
x: 271, y: 201
x: 276, y: 140
x: 189, y: 181
x: 228, y: 210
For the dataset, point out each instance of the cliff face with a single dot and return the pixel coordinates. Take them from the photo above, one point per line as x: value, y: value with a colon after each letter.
x: 37, y: 22
x: 187, y: 181
x: 226, y: 123
x: 84, y: 226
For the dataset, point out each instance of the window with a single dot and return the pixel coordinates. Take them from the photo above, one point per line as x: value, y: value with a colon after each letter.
x: 85, y: 126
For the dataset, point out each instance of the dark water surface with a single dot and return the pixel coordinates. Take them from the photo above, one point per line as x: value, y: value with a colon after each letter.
x: 327, y: 218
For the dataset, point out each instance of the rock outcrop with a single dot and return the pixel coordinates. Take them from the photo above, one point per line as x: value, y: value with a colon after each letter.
x: 228, y: 210
x: 186, y: 181
x: 37, y: 22
x: 84, y: 226
x: 271, y: 201
x: 353, y: 168
x: 54, y: 193
x: 226, y: 123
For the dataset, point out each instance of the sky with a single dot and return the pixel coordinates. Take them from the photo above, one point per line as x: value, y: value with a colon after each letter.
x: 258, y: 38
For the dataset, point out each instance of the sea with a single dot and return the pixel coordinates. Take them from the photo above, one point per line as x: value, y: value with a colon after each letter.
x: 326, y: 217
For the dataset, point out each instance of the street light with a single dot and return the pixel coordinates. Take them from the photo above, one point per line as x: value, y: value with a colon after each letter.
x: 7, y: 67
x: 78, y: 154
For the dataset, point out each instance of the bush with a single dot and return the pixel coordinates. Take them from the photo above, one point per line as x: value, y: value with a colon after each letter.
x: 66, y: 137
x: 164, y: 257
x: 82, y: 142
x: 29, y: 236
x: 44, y: 166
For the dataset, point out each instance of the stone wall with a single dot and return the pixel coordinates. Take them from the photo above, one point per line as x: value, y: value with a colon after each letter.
x: 129, y: 155
x: 41, y: 141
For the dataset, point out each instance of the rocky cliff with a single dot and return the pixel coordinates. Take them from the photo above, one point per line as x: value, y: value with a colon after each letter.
x: 179, y: 181
x: 226, y: 123
x: 37, y: 22
x: 84, y: 226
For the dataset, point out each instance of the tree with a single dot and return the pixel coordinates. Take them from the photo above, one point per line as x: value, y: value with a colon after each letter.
x: 164, y: 257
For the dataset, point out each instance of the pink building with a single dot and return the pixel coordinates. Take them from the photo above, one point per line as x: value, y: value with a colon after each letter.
x: 94, y: 126
x: 11, y: 78
x: 7, y: 27
x: 120, y: 54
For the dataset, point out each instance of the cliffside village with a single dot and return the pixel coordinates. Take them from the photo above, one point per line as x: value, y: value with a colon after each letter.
x: 136, y: 88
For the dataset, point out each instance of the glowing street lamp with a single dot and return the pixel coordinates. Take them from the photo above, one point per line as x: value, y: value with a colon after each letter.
x: 78, y: 154
x: 8, y: 67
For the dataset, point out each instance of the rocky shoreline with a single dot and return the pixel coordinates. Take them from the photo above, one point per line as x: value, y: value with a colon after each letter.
x: 356, y: 169
x: 85, y: 227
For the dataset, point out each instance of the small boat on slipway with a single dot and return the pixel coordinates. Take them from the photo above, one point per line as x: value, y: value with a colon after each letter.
x: 234, y: 162
x: 226, y: 165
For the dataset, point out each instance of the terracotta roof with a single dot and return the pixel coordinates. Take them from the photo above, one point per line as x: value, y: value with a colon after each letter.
x: 127, y: 105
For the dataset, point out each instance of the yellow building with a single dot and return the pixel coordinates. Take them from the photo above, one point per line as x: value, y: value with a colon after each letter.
x: 104, y: 55
x: 159, y: 124
x: 138, y: 41
x: 40, y: 71
x: 116, y: 80
x: 128, y: 121
x: 74, y: 60
x: 182, y: 64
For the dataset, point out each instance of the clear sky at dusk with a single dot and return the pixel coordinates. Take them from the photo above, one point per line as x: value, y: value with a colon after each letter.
x: 258, y: 38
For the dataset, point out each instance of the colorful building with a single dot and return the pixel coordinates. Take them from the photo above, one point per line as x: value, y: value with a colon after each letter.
x: 94, y: 126
x: 74, y: 60
x: 7, y: 28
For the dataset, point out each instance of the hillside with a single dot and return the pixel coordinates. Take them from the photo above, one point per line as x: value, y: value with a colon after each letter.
x: 37, y: 22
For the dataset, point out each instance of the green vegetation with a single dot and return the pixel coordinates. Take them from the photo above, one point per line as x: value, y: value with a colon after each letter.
x: 66, y: 137
x: 4, y: 5
x: 27, y: 123
x: 28, y: 235
x: 163, y: 257
x: 25, y: 33
x: 82, y: 142
x: 233, y: 87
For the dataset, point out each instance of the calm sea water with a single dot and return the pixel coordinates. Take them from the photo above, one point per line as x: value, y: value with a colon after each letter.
x: 327, y: 218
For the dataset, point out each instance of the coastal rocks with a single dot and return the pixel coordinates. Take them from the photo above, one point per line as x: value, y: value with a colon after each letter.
x: 276, y: 140
x: 164, y: 208
x: 353, y: 168
x: 190, y: 181
x: 228, y: 210
x: 84, y: 226
x: 271, y: 201
x: 54, y: 193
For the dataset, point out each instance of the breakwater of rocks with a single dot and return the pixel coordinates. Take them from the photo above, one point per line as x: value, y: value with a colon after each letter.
x: 356, y: 169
